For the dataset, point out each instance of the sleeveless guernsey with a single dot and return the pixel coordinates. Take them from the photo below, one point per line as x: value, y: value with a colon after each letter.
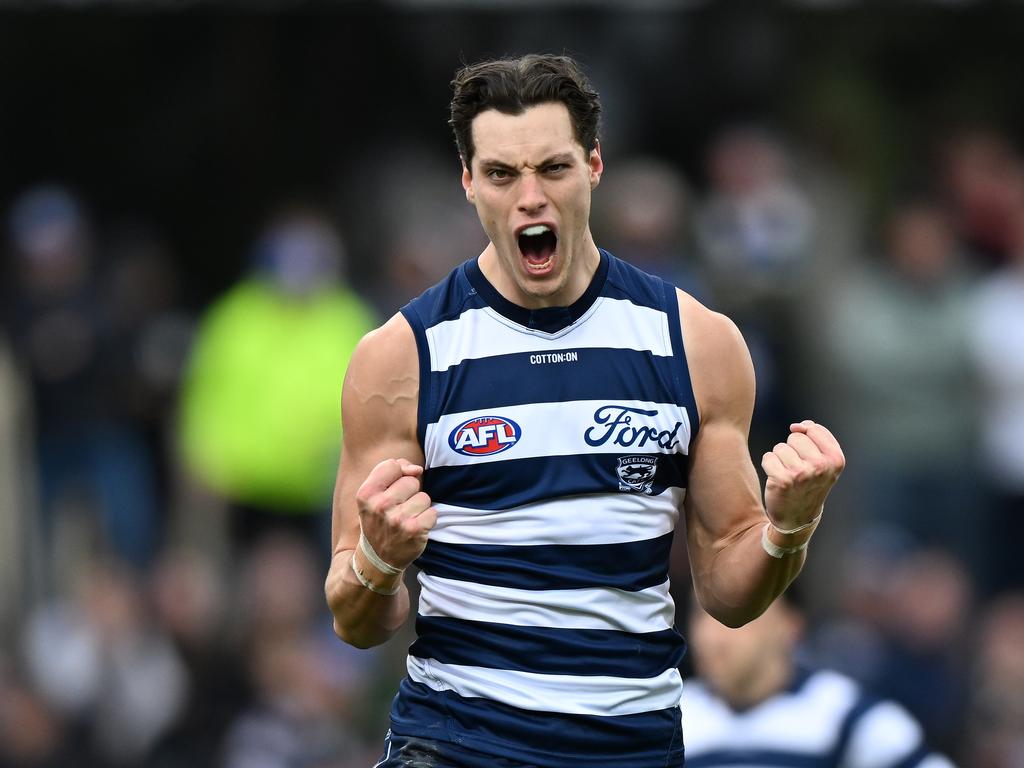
x: 556, y: 445
x: 823, y: 720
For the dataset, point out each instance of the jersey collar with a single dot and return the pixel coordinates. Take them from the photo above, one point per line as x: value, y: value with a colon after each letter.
x: 547, y: 319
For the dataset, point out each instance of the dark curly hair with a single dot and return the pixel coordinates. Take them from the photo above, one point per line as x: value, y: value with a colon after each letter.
x: 512, y: 85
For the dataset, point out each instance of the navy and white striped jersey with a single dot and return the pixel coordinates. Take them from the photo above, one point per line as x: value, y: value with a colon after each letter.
x: 556, y: 444
x: 824, y: 720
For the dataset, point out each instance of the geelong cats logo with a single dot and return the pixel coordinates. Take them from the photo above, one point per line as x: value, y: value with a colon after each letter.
x: 484, y: 436
x: 636, y: 473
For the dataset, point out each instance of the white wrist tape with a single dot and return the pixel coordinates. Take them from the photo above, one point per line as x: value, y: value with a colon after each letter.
x: 774, y: 549
x: 809, y: 524
x: 374, y: 558
x: 368, y: 583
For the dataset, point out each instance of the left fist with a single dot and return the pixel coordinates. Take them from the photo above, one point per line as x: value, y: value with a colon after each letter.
x: 801, y: 472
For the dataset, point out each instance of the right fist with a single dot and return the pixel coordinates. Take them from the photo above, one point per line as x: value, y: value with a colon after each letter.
x: 394, y: 513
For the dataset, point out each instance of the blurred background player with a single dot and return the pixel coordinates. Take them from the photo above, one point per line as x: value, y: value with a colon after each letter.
x: 754, y: 704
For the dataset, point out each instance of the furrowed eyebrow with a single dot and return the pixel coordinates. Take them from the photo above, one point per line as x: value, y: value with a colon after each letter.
x: 496, y: 164
x: 561, y: 159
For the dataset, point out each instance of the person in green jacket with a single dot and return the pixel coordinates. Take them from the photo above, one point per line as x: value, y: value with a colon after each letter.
x: 259, y: 403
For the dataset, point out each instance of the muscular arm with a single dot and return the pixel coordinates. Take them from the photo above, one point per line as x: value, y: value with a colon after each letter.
x: 734, y: 578
x: 380, y: 454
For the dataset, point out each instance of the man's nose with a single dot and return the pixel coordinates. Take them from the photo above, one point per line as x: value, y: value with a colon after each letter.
x: 532, y: 197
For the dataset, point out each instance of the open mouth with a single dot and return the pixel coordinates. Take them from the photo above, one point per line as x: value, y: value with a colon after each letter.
x: 538, y: 244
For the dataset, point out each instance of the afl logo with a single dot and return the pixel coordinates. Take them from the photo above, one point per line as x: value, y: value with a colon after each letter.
x: 484, y: 436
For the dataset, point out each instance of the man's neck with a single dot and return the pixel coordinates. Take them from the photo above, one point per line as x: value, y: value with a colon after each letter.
x: 583, y: 267
x: 768, y: 680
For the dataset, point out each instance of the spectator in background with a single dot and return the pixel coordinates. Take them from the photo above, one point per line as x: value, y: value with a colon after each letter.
x: 306, y: 686
x: 16, y: 474
x: 756, y: 225
x: 151, y: 333
x: 643, y: 211
x: 191, y: 604
x: 755, y: 233
x: 996, y: 715
x: 754, y: 705
x: 902, y: 629
x: 997, y: 345
x: 90, y: 455
x: 400, y: 197
x: 32, y: 734
x: 851, y: 638
x: 278, y: 592
x: 898, y: 339
x: 927, y: 616
x: 981, y: 174
x: 99, y: 662
x: 302, y: 713
x: 259, y: 403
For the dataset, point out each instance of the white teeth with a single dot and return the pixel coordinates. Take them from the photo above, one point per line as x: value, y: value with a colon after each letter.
x: 536, y: 229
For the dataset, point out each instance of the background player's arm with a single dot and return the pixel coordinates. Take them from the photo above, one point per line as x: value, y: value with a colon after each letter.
x: 381, y: 462
x: 734, y: 578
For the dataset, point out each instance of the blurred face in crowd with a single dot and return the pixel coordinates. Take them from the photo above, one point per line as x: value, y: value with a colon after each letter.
x: 744, y: 161
x: 531, y: 183
x: 744, y: 666
x: 930, y: 595
x: 921, y: 243
x: 301, y: 254
x: 1001, y: 643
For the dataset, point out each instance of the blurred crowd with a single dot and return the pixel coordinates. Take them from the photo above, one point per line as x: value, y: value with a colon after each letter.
x: 166, y: 468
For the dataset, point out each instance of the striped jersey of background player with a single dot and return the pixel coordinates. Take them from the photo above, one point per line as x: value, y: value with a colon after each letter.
x: 753, y: 705
x: 528, y: 432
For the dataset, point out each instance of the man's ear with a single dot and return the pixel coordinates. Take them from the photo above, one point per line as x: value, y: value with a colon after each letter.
x: 467, y: 184
x: 596, y: 164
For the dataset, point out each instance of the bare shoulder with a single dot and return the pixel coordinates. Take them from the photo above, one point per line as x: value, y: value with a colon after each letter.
x: 382, y: 379
x: 721, y: 371
x: 384, y: 362
x: 378, y: 412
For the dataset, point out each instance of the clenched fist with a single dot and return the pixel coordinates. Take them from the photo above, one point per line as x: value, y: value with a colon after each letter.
x: 394, y: 513
x: 801, y: 472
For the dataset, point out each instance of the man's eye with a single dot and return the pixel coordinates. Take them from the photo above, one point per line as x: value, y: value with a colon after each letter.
x: 498, y: 174
x: 556, y: 167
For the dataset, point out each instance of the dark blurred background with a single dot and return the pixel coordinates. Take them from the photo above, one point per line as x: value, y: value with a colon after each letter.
x: 204, y: 205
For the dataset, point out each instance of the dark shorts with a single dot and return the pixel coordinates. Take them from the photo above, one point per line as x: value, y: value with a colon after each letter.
x: 412, y: 752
